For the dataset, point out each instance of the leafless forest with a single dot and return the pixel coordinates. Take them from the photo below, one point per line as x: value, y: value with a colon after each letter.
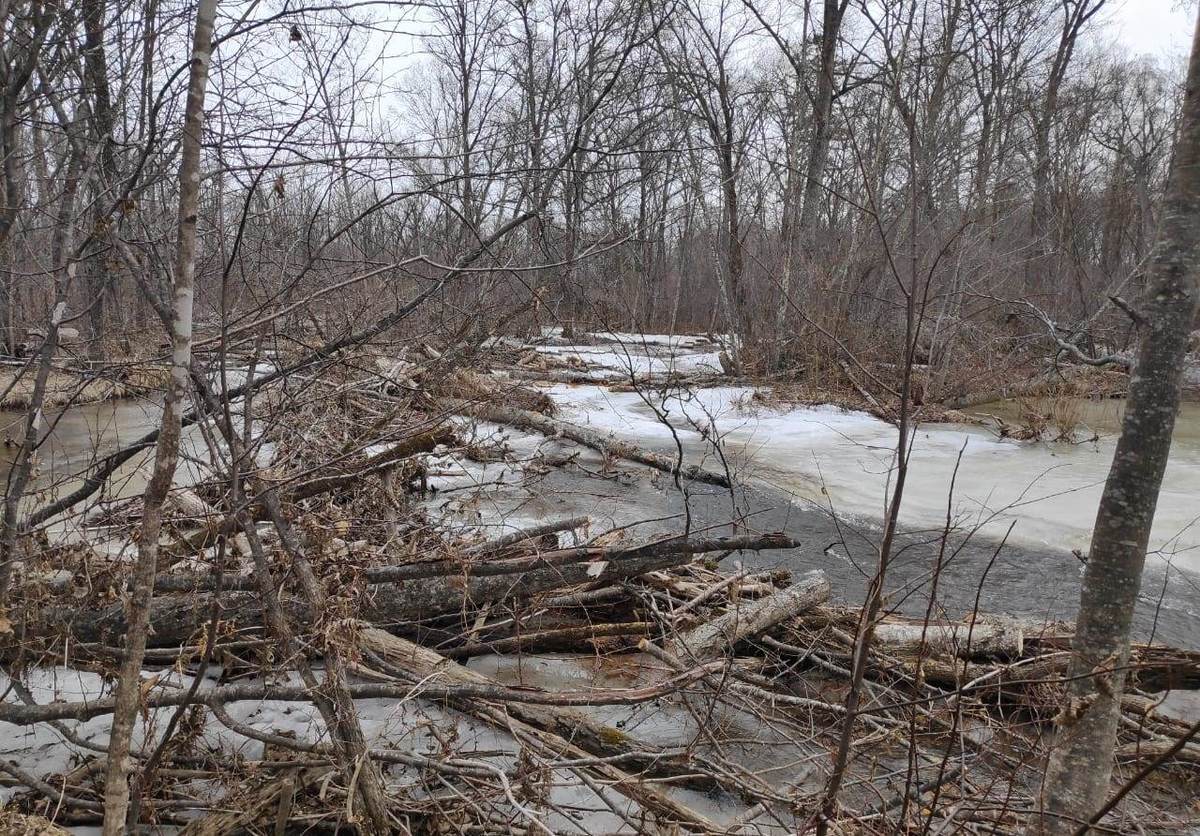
x: 596, y: 417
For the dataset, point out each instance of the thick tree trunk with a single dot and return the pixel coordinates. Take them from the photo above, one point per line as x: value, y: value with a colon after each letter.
x: 1075, y: 16
x: 411, y: 596
x: 800, y: 234
x: 818, y: 152
x: 1080, y: 762
x: 96, y: 276
x: 116, y: 788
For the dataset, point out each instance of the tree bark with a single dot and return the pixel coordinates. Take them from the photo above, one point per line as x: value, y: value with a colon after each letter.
x: 116, y: 788
x: 96, y: 276
x: 1080, y: 761
x: 176, y: 619
x: 745, y: 619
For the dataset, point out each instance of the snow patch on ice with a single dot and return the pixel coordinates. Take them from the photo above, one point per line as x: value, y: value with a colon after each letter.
x: 846, y: 460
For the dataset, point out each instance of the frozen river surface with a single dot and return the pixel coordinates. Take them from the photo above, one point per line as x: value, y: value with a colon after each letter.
x: 1047, y: 493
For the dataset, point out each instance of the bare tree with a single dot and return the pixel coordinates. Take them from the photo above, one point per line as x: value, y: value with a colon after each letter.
x: 166, y: 453
x: 1080, y: 762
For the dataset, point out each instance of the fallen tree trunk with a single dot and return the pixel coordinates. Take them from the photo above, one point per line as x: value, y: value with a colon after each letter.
x: 411, y: 592
x: 1167, y: 749
x: 517, y: 565
x: 575, y: 639
x: 746, y: 619
x: 982, y: 640
x: 524, y: 419
x: 1026, y: 388
x: 523, y: 535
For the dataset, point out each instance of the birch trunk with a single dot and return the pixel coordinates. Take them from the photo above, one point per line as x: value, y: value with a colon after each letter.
x: 166, y: 454
x: 1080, y: 761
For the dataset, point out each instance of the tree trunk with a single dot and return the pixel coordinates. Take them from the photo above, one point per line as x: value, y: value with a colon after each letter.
x: 1080, y: 762
x: 818, y: 152
x: 801, y: 231
x: 96, y: 277
x: 116, y: 788
x: 746, y: 619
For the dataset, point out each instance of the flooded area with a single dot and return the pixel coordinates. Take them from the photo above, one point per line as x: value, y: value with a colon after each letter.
x: 988, y: 525
x: 819, y: 472
x: 1040, y: 495
x: 75, y: 438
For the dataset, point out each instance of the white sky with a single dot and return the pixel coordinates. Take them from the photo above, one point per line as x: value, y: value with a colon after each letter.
x: 1162, y: 28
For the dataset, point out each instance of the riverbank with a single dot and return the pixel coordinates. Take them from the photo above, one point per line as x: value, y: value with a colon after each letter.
x: 527, y: 543
x: 67, y: 386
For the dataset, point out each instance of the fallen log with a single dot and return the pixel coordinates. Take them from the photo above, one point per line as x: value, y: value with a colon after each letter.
x: 1034, y: 386
x: 221, y: 695
x: 402, y: 593
x: 529, y: 421
x: 578, y: 639
x: 522, y: 535
x: 990, y: 639
x: 517, y: 565
x: 745, y: 619
x: 1166, y: 749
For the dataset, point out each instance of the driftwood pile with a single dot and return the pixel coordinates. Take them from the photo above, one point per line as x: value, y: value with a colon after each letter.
x: 682, y: 693
x: 963, y: 703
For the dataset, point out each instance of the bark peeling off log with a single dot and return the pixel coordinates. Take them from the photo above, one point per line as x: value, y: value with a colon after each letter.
x: 995, y: 638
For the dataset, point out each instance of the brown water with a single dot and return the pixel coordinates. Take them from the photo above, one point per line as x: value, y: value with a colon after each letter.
x: 74, y: 439
x: 1102, y: 416
x: 1036, y: 575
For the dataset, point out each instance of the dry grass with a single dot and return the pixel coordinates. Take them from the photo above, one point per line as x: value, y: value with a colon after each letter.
x: 18, y: 824
x: 70, y: 387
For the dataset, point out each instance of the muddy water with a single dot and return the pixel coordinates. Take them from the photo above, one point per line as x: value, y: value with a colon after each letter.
x: 73, y: 440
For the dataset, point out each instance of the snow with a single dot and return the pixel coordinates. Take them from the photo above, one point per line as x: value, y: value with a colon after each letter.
x: 844, y: 460
x: 634, y: 338
x: 412, y: 726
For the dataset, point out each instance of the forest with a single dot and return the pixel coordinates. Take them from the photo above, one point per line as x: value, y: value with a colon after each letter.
x: 598, y: 417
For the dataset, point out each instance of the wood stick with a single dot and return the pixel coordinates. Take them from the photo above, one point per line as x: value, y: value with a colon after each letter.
x: 745, y: 619
x: 609, y: 445
x: 421, y: 595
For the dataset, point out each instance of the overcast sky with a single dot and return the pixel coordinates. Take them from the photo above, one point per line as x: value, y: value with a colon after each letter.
x: 1159, y: 27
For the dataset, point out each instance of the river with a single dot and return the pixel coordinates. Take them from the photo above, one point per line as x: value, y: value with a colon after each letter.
x: 822, y: 474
